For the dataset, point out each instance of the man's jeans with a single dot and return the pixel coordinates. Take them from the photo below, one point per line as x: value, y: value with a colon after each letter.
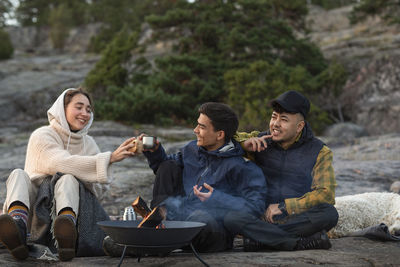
x: 283, y: 236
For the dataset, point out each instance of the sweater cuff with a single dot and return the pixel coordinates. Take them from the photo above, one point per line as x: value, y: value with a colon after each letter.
x: 103, y: 167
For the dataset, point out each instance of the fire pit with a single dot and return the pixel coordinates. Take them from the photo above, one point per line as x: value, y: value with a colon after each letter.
x: 176, y: 234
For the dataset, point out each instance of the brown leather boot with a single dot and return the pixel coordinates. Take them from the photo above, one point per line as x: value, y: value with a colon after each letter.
x: 65, y: 233
x: 13, y: 236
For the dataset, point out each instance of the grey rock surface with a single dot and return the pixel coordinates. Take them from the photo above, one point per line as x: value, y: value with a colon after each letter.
x: 353, y: 44
x: 366, y: 164
x: 395, y: 187
x: 371, y: 97
x: 349, y: 251
x: 370, y: 52
x: 29, y: 84
x: 344, y: 131
x: 37, y: 40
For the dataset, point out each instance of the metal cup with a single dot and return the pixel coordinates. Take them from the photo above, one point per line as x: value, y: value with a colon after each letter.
x: 129, y: 214
x: 149, y: 142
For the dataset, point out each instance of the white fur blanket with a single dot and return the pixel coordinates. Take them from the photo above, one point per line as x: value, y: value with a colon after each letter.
x: 357, y: 212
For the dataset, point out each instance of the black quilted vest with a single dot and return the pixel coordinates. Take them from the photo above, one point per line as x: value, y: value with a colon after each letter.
x: 288, y: 172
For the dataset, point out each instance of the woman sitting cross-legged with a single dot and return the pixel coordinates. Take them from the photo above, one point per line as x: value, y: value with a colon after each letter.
x: 63, y: 147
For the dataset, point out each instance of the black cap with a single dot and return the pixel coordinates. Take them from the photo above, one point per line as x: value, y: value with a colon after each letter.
x: 293, y: 102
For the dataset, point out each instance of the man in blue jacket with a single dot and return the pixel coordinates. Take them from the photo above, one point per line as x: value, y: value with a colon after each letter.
x: 208, y: 177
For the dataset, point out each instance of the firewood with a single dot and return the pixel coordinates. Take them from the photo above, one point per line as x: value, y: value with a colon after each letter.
x: 140, y: 207
x: 153, y: 219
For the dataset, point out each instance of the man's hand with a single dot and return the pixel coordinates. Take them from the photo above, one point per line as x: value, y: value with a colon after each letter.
x: 140, y: 137
x: 203, y: 196
x: 256, y: 144
x: 271, y: 211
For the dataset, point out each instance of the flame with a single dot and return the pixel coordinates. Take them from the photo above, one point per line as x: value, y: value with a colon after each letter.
x: 160, y: 226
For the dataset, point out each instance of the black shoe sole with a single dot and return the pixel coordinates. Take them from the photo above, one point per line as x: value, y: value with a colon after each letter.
x: 11, y: 237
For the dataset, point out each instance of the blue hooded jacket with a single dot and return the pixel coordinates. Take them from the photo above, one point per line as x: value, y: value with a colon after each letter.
x: 238, y: 183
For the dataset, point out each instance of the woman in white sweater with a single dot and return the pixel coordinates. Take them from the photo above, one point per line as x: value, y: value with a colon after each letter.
x: 62, y: 146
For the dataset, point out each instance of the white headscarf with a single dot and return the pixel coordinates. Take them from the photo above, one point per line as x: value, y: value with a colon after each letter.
x: 57, y: 112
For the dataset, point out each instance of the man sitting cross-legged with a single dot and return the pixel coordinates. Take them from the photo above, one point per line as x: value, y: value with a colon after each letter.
x: 300, y: 179
x: 208, y: 177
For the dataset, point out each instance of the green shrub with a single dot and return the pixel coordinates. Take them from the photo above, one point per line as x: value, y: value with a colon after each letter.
x: 5, y: 8
x: 332, y: 80
x: 60, y: 21
x: 100, y: 41
x: 243, y: 52
x: 109, y: 71
x: 251, y: 89
x: 171, y: 18
x: 331, y: 4
x: 139, y: 104
x: 39, y: 12
x: 389, y: 10
x: 6, y: 47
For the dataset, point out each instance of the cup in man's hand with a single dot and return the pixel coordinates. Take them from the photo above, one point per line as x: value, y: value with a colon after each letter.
x: 149, y: 142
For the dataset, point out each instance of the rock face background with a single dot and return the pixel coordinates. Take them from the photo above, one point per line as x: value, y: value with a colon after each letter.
x: 372, y: 97
x: 37, y: 40
x: 29, y: 84
x: 370, y: 51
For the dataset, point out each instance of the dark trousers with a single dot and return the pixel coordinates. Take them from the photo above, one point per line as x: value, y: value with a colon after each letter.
x: 168, y: 183
x: 168, y: 191
x: 283, y: 236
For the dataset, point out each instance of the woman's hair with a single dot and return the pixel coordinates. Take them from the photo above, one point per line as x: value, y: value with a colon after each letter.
x: 71, y: 93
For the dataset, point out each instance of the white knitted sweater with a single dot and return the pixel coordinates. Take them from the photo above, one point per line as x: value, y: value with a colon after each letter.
x: 54, y: 148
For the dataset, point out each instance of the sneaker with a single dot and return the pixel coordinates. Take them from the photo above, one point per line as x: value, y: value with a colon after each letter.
x: 250, y: 245
x: 113, y: 249
x: 65, y: 234
x: 318, y: 240
x: 13, y: 236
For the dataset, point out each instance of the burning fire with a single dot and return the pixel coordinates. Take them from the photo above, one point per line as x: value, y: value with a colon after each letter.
x: 160, y: 226
x: 151, y: 218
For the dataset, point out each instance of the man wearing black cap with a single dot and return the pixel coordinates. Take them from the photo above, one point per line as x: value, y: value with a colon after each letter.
x: 300, y: 178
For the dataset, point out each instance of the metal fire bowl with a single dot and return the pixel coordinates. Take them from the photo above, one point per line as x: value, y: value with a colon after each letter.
x: 176, y: 234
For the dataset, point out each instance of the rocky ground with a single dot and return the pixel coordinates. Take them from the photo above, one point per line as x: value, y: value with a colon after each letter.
x: 349, y: 251
x: 363, y: 164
